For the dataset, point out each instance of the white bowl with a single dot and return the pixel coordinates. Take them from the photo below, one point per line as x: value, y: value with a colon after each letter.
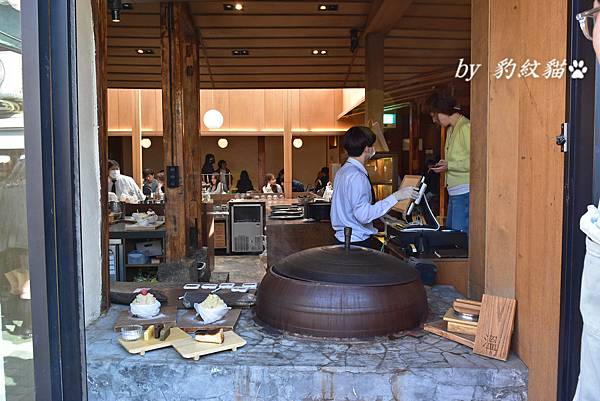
x: 145, y: 311
x: 211, y: 315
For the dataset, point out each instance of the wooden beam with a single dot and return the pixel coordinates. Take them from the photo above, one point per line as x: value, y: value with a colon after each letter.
x: 136, y: 138
x: 100, y: 28
x: 385, y: 14
x: 262, y: 168
x: 180, y: 93
x: 374, y: 91
x: 287, y: 145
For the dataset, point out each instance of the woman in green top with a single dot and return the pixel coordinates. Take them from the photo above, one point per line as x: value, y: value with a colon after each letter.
x: 456, y: 165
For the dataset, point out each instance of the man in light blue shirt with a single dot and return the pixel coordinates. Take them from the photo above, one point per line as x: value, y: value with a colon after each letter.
x: 353, y: 198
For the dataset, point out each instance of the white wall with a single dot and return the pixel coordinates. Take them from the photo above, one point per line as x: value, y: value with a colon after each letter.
x: 89, y: 162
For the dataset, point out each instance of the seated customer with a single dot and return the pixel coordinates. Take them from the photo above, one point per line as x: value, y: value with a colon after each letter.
x: 244, y: 184
x: 271, y: 185
x: 216, y: 186
x: 122, y: 185
x: 150, y: 183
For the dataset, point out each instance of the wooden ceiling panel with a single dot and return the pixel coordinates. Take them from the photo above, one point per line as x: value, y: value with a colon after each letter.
x: 280, y: 36
x: 280, y: 8
x: 278, y: 21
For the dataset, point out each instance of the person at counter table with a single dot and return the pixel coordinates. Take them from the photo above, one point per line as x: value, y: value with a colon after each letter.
x: 353, y: 204
x: 150, y: 183
x: 322, y: 179
x: 208, y: 168
x: 216, y: 186
x: 161, y: 181
x: 271, y: 186
x: 225, y: 174
x: 445, y: 112
x: 244, y: 184
x: 122, y: 185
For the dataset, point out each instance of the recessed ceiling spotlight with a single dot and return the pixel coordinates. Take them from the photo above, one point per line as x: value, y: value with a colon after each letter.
x: 240, y: 52
x: 227, y: 7
x: 328, y: 7
x: 239, y: 6
x: 323, y: 52
x: 144, y: 51
x: 231, y: 7
x: 127, y: 6
x: 315, y: 52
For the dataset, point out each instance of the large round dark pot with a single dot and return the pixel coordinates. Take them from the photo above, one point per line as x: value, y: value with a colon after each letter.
x: 333, y: 291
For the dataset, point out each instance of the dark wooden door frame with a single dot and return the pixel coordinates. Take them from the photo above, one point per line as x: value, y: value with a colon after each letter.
x: 53, y: 198
x: 578, y: 193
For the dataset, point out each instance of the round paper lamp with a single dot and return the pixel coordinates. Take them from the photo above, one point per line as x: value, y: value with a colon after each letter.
x: 297, y: 143
x: 222, y: 143
x: 146, y: 143
x: 213, y: 119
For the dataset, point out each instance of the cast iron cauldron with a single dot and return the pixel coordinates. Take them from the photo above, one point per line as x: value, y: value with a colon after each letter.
x: 341, y: 291
x: 317, y: 210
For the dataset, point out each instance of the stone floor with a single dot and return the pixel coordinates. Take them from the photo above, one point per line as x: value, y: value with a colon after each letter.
x: 241, y: 269
x: 276, y: 366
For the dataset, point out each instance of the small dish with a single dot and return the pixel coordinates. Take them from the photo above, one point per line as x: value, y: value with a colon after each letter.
x: 209, y: 286
x: 239, y: 289
x: 226, y: 286
x: 131, y: 333
x: 250, y: 286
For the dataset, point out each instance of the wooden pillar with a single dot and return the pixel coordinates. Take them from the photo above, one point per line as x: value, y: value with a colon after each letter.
x: 287, y: 145
x: 517, y: 175
x: 374, y: 80
x: 100, y: 17
x: 136, y: 138
x: 180, y: 91
x: 262, y: 168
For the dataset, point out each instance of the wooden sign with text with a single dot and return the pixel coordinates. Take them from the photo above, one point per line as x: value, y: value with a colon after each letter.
x: 495, y: 327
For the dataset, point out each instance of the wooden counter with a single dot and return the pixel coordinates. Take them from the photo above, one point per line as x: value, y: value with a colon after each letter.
x: 454, y: 272
x: 285, y: 237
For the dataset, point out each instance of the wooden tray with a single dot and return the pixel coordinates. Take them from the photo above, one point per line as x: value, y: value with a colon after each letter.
x: 439, y: 328
x: 168, y: 314
x: 194, y: 349
x: 189, y: 323
x: 140, y: 346
x: 137, y: 227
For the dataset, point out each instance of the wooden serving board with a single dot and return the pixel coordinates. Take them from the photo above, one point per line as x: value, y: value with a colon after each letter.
x: 195, y: 349
x: 495, y: 328
x: 439, y: 328
x: 137, y: 227
x: 189, y: 323
x: 140, y: 346
x: 168, y: 314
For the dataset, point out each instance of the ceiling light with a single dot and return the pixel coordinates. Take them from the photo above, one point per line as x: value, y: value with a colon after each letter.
x: 315, y: 52
x: 328, y: 7
x: 323, y: 52
x: 115, y: 10
x: 227, y: 7
x: 144, y: 51
x: 222, y: 143
x: 146, y: 143
x: 297, y: 143
x: 127, y: 6
x: 213, y: 119
x: 240, y: 52
x: 239, y: 6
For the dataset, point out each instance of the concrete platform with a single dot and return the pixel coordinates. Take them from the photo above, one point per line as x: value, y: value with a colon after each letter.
x: 276, y: 366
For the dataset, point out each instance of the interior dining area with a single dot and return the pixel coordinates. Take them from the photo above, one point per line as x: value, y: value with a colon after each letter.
x: 224, y: 147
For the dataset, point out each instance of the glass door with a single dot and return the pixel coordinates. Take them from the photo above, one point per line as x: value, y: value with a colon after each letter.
x: 16, y: 348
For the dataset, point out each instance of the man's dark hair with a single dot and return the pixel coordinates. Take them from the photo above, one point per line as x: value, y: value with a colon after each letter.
x: 442, y: 103
x: 147, y: 171
x: 112, y: 164
x: 356, y: 139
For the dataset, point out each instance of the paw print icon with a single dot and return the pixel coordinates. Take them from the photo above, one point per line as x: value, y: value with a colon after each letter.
x: 578, y: 69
